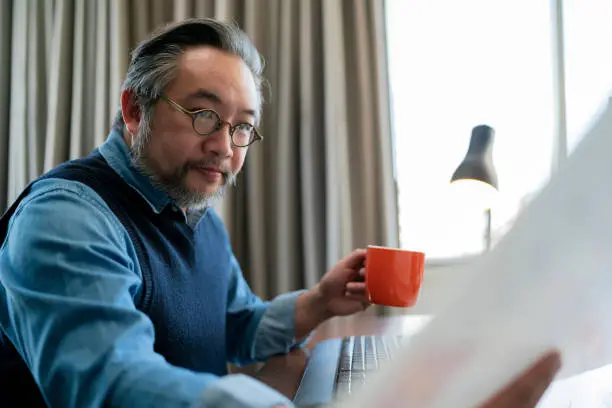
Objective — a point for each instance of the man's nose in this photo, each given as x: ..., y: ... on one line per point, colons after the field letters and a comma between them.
x: 220, y: 142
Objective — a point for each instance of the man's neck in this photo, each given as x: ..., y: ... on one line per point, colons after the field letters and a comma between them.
x: 127, y: 138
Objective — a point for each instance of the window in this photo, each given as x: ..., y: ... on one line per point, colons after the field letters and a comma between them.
x: 588, y: 61
x: 455, y: 65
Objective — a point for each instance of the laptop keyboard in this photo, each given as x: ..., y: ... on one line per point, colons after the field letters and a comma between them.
x: 361, y: 355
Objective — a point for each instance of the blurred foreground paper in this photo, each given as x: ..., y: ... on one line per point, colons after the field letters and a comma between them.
x: 547, y: 284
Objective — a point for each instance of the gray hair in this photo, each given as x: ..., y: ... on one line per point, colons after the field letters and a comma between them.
x: 153, y: 62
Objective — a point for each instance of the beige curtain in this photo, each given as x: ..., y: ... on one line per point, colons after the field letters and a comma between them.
x: 322, y: 182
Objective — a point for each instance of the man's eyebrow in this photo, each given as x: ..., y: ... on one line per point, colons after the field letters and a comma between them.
x: 204, y: 94
x: 213, y: 97
x: 250, y: 112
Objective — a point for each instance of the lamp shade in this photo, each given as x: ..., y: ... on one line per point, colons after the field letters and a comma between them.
x: 478, y: 162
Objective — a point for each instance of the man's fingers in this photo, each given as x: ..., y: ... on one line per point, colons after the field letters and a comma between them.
x: 528, y: 388
x: 356, y: 298
x: 536, y: 381
x: 356, y: 288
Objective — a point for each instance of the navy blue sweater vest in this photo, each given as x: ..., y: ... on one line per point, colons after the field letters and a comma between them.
x: 185, y: 273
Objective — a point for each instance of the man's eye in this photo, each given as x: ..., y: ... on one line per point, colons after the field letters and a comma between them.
x: 244, y: 127
x: 206, y: 114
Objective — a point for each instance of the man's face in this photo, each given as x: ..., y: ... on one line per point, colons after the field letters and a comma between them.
x: 192, y: 168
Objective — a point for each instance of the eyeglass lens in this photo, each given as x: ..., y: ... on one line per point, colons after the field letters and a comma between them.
x: 206, y: 122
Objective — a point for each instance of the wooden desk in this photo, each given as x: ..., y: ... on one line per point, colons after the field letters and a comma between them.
x: 284, y: 373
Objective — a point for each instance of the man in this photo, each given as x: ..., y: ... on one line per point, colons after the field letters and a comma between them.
x: 118, y: 283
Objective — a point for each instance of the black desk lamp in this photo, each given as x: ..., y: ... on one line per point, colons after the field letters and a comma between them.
x: 477, y: 169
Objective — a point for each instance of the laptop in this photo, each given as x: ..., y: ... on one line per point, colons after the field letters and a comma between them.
x: 340, y: 366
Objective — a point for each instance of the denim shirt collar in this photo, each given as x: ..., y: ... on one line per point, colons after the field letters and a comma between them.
x: 117, y: 154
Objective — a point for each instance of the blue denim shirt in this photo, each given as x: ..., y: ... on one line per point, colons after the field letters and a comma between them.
x: 44, y: 294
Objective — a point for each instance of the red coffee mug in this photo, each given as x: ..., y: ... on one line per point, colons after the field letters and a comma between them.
x: 393, y: 276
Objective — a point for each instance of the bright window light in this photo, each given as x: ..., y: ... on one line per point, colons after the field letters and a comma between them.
x: 588, y: 59
x: 455, y: 65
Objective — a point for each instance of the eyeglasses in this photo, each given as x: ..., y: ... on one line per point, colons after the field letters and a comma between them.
x: 207, y: 121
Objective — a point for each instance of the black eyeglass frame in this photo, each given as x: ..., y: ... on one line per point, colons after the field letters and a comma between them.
x: 255, y: 134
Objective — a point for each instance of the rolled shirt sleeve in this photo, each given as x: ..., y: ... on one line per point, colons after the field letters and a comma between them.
x: 276, y: 331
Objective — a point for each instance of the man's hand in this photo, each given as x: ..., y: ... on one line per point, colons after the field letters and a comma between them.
x: 528, y: 388
x: 340, y: 292
x: 342, y: 289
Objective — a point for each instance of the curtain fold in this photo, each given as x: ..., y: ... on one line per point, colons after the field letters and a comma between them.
x: 17, y: 106
x: 312, y: 163
x: 6, y: 16
x: 321, y: 183
x: 59, y: 87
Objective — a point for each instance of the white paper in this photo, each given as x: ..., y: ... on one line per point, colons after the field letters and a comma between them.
x: 547, y: 284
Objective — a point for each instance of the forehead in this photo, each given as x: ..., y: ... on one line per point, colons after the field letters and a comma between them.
x: 217, y: 71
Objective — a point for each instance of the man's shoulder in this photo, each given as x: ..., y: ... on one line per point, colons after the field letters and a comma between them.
x: 57, y: 192
x: 55, y: 212
x: 68, y: 200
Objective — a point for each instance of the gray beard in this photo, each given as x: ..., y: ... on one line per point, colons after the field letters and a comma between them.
x: 174, y: 184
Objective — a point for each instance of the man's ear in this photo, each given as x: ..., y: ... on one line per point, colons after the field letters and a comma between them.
x: 131, y: 111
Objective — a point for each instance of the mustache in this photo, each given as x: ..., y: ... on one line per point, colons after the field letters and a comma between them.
x: 224, y: 167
